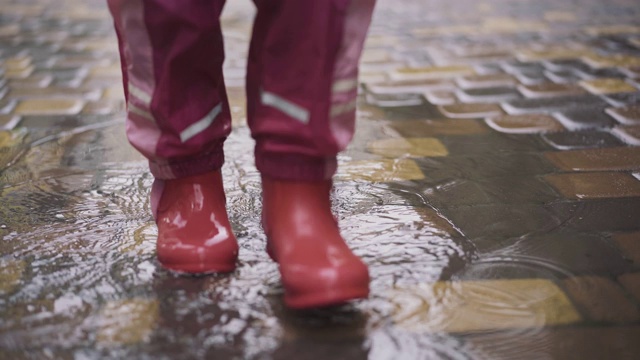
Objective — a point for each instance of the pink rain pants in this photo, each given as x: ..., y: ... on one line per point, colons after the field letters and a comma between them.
x: 301, y: 83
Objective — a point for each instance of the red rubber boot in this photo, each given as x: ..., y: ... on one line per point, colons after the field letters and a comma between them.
x: 194, y: 234
x: 316, y: 266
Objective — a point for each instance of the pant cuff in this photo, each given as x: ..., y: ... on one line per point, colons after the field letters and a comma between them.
x: 176, y: 168
x: 295, y: 167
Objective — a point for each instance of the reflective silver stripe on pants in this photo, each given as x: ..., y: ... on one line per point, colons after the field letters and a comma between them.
x: 140, y: 112
x: 344, y: 85
x: 339, y: 109
x: 295, y: 111
x: 200, y: 125
x: 139, y: 94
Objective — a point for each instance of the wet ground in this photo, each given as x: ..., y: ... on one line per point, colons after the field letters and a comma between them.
x: 493, y: 188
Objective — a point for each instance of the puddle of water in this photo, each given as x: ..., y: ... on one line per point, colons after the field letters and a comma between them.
x: 86, y: 236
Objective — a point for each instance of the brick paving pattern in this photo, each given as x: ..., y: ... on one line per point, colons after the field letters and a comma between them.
x: 493, y: 188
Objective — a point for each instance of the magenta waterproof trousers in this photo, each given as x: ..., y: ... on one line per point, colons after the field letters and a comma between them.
x: 301, y: 83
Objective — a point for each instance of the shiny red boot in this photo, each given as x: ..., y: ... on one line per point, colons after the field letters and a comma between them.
x: 316, y: 266
x: 194, y: 234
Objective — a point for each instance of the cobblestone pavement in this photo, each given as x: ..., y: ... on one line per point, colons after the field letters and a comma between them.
x: 493, y: 188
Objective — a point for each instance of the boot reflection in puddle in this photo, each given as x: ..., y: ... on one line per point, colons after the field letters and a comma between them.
x: 301, y: 101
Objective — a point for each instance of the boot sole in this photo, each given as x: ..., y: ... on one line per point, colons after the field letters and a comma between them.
x: 199, y: 269
x: 326, y: 298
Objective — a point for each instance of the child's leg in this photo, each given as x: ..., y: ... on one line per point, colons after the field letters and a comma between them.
x: 301, y: 90
x: 302, y: 83
x: 178, y: 117
x: 172, y: 53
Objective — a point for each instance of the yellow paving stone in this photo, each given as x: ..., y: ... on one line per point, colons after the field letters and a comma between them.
x: 127, y: 322
x: 446, y: 30
x: 425, y: 128
x: 113, y: 70
x: 19, y: 73
x: 16, y: 63
x: 9, y: 30
x: 115, y: 92
x: 629, y: 244
x: 53, y: 92
x: 481, y: 305
x: 620, y: 60
x: 615, y: 158
x: 470, y: 110
x: 631, y: 282
x: 607, y: 86
x: 560, y: 16
x: 612, y: 29
x: 551, y: 54
x: 26, y: 10
x: 32, y: 82
x: 432, y: 72
x: 384, y: 170
x: 595, y: 185
x: 49, y: 107
x: 408, y: 147
x: 375, y: 56
x: 10, y: 274
x: 510, y: 25
x: 524, y: 124
x: 602, y: 299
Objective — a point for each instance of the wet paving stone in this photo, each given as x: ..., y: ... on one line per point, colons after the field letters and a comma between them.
x: 426, y: 128
x: 622, y: 99
x: 484, y: 81
x: 471, y: 110
x: 524, y: 124
x: 441, y: 97
x: 549, y: 90
x: 408, y: 147
x: 394, y: 100
x: 380, y: 170
x: 8, y: 122
x: 607, y: 86
x: 470, y: 245
x: 552, y: 104
x: 629, y: 134
x: 581, y: 140
x: 580, y: 342
x: 489, y: 94
x: 595, y: 185
x: 629, y: 244
x: 127, y: 322
x: 461, y: 306
x: 615, y: 158
x: 628, y: 115
x: 10, y: 275
x: 631, y: 282
x: 49, y: 107
x: 443, y: 72
x: 584, y: 118
x: 602, y: 299
x: 598, y: 215
x: 409, y: 86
